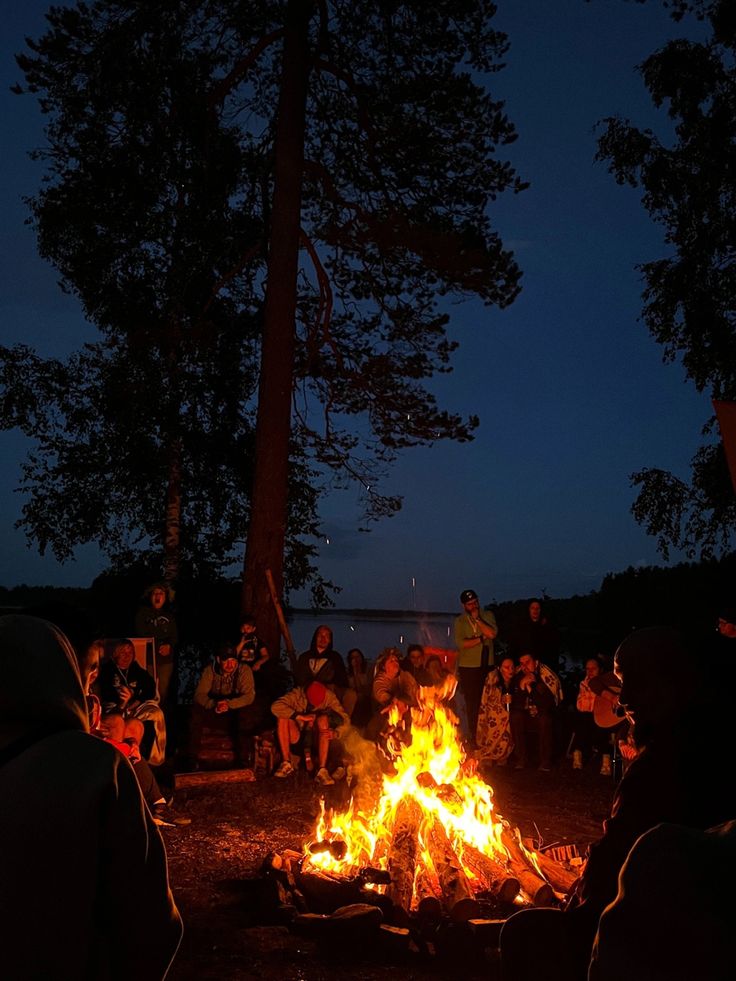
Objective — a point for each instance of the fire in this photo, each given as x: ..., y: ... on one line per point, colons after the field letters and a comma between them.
x: 431, y: 772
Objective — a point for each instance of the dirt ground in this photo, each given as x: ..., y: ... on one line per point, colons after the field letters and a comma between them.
x: 214, y: 868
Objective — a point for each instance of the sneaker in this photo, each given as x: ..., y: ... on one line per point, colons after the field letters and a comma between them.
x: 324, y: 777
x: 545, y: 769
x: 339, y: 773
x: 577, y: 759
x: 284, y: 770
x: 164, y: 816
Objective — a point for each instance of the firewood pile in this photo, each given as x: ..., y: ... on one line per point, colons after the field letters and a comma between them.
x: 460, y: 906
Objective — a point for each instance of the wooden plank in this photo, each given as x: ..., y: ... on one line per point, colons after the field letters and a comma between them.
x: 202, y: 778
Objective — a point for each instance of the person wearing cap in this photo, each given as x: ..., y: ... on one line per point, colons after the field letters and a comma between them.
x: 308, y: 713
x: 475, y: 632
x: 667, y: 703
x: 225, y: 698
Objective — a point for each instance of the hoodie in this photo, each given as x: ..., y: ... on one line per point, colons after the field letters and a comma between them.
x: 84, y: 892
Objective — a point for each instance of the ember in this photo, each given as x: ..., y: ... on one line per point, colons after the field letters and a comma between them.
x: 431, y: 825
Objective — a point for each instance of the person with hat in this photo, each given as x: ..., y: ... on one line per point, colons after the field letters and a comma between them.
x: 225, y: 699
x: 307, y: 714
x: 475, y: 632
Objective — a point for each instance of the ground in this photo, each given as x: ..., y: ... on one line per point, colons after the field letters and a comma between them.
x: 215, y: 861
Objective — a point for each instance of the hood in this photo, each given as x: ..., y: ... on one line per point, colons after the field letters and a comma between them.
x: 40, y: 686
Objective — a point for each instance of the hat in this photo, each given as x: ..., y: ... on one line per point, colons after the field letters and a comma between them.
x: 467, y: 595
x: 316, y: 693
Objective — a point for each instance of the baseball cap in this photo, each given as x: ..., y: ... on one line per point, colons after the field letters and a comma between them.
x: 467, y: 595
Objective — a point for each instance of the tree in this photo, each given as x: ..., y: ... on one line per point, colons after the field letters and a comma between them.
x: 690, y: 294
x: 350, y: 236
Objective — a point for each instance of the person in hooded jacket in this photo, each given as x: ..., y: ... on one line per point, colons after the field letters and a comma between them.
x: 84, y: 889
x: 156, y: 619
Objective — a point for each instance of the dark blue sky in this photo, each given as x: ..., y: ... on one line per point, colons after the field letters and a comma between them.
x: 571, y: 391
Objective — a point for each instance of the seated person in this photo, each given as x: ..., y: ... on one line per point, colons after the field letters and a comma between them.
x: 357, y: 699
x: 225, y: 698
x: 535, y: 694
x: 392, y: 689
x: 89, y: 666
x: 414, y: 663
x: 493, y: 735
x: 130, y: 709
x: 304, y: 714
x: 589, y: 736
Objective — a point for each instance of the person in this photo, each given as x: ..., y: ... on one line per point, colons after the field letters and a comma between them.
x: 358, y: 704
x: 475, y: 632
x: 322, y: 663
x: 393, y: 689
x: 588, y: 735
x: 493, y: 737
x: 675, y: 714
x: 250, y: 649
x: 130, y: 708
x: 536, y: 692
x: 84, y: 889
x: 303, y: 714
x: 225, y: 698
x: 415, y: 664
x: 727, y: 621
x: 538, y: 636
x: 673, y: 915
x: 155, y: 618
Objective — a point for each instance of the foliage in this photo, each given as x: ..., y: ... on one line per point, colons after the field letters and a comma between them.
x: 156, y: 210
x: 689, y: 188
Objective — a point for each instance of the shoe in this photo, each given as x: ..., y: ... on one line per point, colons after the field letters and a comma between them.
x: 323, y: 777
x: 284, y: 770
x: 545, y: 769
x: 165, y: 816
x: 520, y: 766
x: 606, y: 765
x: 339, y: 773
x: 577, y: 759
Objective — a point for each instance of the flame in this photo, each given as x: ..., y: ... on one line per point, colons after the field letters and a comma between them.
x: 429, y: 767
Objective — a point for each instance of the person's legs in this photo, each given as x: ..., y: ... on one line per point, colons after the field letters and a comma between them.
x: 518, y: 720
x: 471, y: 683
x: 545, y: 725
x: 244, y: 724
x: 148, y: 783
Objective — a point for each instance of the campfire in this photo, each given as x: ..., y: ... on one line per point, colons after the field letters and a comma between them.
x: 426, y: 835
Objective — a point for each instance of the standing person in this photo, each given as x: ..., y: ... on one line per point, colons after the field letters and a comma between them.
x: 156, y: 619
x: 84, y: 890
x: 667, y: 782
x: 322, y: 663
x: 475, y: 632
x: 493, y: 738
x: 538, y: 636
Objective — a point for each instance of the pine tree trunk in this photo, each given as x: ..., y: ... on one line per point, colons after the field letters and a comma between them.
x: 267, y: 528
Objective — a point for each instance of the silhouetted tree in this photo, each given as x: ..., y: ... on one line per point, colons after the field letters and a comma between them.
x: 689, y: 187
x: 360, y: 151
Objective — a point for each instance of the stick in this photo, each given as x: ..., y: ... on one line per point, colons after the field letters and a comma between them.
x: 286, y: 633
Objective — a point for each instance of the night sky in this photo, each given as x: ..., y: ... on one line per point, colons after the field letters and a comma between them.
x: 571, y: 391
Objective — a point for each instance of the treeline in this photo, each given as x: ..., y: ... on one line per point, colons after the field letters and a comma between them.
x: 688, y: 595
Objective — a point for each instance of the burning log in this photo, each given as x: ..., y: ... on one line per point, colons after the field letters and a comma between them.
x: 428, y: 895
x: 491, y: 874
x: 560, y: 878
x: 457, y: 894
x: 540, y: 892
x: 402, y: 853
x: 326, y: 891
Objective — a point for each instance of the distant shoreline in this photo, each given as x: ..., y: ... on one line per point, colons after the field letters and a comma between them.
x: 366, y: 614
